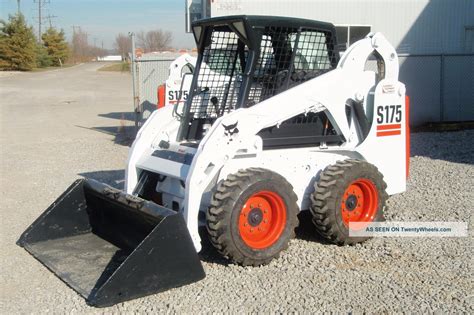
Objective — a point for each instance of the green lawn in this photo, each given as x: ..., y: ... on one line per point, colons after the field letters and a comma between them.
x: 122, y: 66
x: 52, y: 68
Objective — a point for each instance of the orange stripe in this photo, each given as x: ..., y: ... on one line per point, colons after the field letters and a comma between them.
x: 388, y: 133
x: 161, y: 96
x: 392, y: 126
x: 407, y: 135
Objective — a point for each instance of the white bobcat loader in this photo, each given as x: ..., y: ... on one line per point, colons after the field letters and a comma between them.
x: 275, y: 123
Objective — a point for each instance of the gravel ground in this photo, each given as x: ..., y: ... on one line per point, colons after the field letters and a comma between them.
x: 56, y: 127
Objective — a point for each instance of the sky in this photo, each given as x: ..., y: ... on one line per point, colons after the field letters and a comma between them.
x: 104, y: 19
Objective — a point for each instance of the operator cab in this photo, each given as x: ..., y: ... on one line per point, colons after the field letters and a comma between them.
x: 244, y: 60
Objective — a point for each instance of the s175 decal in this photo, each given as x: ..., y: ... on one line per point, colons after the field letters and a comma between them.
x: 177, y: 95
x: 389, y: 114
x: 389, y: 119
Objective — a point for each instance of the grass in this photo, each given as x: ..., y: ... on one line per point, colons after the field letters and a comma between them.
x: 122, y: 66
x: 51, y: 68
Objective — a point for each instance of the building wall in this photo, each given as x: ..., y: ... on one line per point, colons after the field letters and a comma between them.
x: 441, y: 87
x: 412, y: 26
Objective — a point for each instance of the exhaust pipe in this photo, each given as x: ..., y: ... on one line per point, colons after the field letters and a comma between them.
x: 112, y: 247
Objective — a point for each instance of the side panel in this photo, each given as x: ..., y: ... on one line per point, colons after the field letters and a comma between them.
x: 385, y: 146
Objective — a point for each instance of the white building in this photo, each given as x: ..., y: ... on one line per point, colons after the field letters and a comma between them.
x: 434, y: 39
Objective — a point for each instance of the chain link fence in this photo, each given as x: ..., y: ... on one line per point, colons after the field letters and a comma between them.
x: 441, y: 87
x: 150, y: 71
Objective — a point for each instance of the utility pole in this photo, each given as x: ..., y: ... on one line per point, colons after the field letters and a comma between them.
x: 41, y: 3
x: 39, y: 21
x: 136, y: 101
x: 18, y: 7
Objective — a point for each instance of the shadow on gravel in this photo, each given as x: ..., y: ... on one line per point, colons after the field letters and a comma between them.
x: 306, y: 230
x: 123, y: 135
x: 115, y: 178
x: 208, y: 253
x: 457, y: 147
x: 129, y: 116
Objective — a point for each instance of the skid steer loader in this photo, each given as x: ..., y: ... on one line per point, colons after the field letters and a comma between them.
x: 276, y: 121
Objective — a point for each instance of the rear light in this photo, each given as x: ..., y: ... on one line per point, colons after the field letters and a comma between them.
x: 161, y: 96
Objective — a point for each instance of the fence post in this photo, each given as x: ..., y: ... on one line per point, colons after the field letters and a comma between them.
x: 134, y: 80
x: 441, y: 89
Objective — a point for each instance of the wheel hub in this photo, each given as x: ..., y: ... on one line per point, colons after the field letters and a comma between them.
x: 359, y: 202
x: 255, y: 217
x: 351, y: 202
x: 262, y: 219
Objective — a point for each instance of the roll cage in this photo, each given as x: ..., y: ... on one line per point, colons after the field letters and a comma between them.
x: 244, y: 60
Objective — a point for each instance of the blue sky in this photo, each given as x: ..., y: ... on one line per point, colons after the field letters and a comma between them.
x: 103, y: 19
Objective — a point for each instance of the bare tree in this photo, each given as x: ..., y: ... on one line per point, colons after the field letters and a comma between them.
x: 123, y: 45
x: 81, y: 50
x: 80, y: 46
x: 154, y: 40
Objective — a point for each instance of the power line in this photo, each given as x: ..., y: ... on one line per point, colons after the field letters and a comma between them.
x: 50, y: 17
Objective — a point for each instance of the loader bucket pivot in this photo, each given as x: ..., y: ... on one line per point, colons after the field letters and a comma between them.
x: 111, y: 247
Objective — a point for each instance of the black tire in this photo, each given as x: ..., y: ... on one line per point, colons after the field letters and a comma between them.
x: 222, y: 218
x: 328, y: 197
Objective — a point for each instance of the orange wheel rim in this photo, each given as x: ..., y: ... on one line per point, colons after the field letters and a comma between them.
x: 262, y: 219
x: 359, y: 202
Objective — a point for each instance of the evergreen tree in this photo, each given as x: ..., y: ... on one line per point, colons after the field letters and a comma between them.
x: 56, y: 46
x: 17, y: 44
x: 43, y: 60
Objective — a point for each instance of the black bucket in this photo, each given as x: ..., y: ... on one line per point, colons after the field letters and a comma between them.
x: 111, y: 247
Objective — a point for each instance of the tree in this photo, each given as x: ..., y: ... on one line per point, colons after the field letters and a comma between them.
x: 56, y: 46
x: 123, y: 45
x: 17, y: 44
x: 43, y: 60
x: 154, y: 40
x: 80, y: 46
